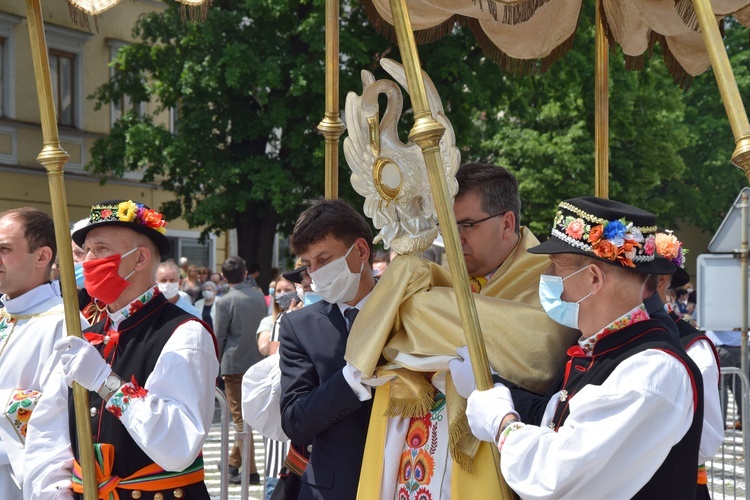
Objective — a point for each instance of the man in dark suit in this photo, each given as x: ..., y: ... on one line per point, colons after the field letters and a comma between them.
x: 238, y: 315
x: 323, y: 402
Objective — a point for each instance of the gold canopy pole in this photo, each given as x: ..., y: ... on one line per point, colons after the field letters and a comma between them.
x: 332, y: 127
x: 601, y: 91
x: 427, y: 134
x: 730, y: 94
x: 53, y: 158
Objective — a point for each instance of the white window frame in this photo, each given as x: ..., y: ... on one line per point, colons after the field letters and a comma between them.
x: 181, y: 233
x: 7, y: 23
x: 71, y: 41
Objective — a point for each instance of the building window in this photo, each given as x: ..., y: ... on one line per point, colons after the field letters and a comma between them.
x: 7, y: 64
x: 62, y: 72
x: 125, y: 103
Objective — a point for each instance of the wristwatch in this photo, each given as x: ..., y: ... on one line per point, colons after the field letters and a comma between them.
x: 110, y: 385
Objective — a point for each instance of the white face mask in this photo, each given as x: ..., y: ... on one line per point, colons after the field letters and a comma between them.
x: 550, y: 292
x: 335, y: 282
x: 208, y: 294
x: 169, y: 289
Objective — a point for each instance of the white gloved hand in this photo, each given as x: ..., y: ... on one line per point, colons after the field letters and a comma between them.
x: 82, y: 363
x: 462, y: 372
x: 486, y: 411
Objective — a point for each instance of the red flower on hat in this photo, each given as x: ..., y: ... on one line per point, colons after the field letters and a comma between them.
x: 106, y: 213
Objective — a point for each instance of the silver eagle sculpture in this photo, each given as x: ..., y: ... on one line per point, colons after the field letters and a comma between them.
x: 391, y: 175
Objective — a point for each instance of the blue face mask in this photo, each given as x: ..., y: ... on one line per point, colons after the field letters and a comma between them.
x: 550, y: 293
x: 78, y: 266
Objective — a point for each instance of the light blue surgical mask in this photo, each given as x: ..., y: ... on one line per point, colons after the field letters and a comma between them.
x: 550, y: 292
x: 78, y: 266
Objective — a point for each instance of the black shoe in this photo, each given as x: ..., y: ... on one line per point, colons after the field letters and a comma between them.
x: 232, y: 470
x: 254, y: 478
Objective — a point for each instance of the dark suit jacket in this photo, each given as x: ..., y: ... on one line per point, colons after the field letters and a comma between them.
x: 238, y: 314
x: 655, y: 309
x: 317, y: 405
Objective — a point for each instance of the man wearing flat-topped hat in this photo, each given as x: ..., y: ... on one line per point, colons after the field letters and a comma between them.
x: 625, y: 419
x: 150, y: 368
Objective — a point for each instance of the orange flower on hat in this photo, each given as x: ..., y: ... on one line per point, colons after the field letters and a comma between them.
x: 606, y: 250
x: 667, y: 245
x: 595, y: 235
x: 153, y: 219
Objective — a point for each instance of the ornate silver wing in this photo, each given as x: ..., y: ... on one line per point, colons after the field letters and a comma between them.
x: 389, y: 174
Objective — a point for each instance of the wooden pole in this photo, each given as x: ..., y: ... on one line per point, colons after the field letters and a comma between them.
x: 54, y: 158
x: 427, y: 133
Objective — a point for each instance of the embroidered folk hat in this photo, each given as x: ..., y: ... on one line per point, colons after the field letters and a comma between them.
x: 129, y: 214
x: 671, y: 249
x: 606, y: 230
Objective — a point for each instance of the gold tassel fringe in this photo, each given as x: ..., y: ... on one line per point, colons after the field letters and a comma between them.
x: 456, y: 432
x: 521, y: 11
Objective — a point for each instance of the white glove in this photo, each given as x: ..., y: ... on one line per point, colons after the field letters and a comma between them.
x: 487, y: 409
x: 82, y: 363
x: 462, y: 372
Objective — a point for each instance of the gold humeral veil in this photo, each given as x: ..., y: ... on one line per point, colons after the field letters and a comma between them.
x: 412, y: 316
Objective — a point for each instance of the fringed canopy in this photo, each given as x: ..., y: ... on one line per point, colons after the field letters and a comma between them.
x: 525, y: 36
x: 80, y: 10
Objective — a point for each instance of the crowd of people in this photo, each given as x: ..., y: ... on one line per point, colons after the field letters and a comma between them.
x: 354, y: 367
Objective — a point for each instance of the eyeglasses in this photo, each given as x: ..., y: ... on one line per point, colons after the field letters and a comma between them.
x: 467, y: 227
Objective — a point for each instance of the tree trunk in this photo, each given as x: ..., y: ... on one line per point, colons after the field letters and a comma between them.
x: 255, y: 236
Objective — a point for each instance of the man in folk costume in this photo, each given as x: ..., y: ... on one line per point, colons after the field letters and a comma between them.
x: 625, y: 420
x: 424, y: 448
x: 31, y: 321
x: 698, y: 346
x: 150, y: 367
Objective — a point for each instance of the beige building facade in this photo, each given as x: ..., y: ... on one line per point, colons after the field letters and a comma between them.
x: 79, y: 64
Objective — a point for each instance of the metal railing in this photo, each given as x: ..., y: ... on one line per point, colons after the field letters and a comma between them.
x: 224, y: 461
x: 727, y: 474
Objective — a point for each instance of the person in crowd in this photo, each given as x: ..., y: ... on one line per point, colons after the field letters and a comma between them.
x: 191, y: 284
x: 206, y: 306
x: 238, y: 314
x: 203, y: 274
x: 32, y: 319
x: 168, y: 281
x: 682, y: 301
x: 253, y: 273
x: 92, y: 309
x: 699, y: 347
x: 150, y: 367
x: 728, y: 345
x: 379, y: 265
x: 527, y: 345
x: 322, y: 403
x: 184, y: 264
x: 627, y: 374
x: 285, y: 300
x: 220, y: 282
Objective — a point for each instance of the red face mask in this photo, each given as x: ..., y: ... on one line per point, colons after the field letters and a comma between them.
x: 102, y: 280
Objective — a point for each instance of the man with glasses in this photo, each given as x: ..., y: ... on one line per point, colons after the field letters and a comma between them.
x: 425, y: 451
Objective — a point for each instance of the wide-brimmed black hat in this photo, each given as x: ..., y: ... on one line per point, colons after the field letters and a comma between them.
x: 606, y: 230
x: 129, y: 214
x: 294, y: 276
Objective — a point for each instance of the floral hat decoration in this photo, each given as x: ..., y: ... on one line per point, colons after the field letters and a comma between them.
x: 606, y: 230
x: 669, y: 247
x: 129, y: 214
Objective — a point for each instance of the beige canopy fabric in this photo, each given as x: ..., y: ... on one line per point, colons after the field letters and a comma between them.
x: 81, y: 9
x: 528, y: 35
